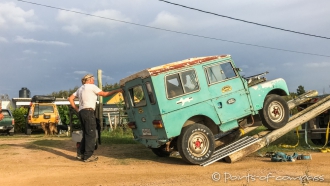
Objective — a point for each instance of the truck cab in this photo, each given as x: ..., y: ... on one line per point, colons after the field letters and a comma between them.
x: 189, y: 105
x: 7, y: 123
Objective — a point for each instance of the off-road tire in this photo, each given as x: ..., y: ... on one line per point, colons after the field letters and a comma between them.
x: 317, y: 141
x: 321, y: 141
x: 275, y: 113
x: 196, y: 144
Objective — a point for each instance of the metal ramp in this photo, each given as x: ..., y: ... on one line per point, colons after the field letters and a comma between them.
x: 230, y: 149
x: 236, y: 150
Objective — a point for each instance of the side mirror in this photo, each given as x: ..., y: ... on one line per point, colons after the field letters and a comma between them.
x: 238, y: 69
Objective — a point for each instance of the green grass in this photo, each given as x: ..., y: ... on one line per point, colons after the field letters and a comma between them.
x: 118, y: 136
x: 4, y: 146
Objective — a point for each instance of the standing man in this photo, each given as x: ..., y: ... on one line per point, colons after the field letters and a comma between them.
x: 87, y: 95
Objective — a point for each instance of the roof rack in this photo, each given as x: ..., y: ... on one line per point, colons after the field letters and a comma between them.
x: 43, y: 99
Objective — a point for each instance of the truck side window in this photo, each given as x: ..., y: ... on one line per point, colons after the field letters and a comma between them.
x: 181, y: 83
x: 137, y: 96
x: 189, y: 81
x: 220, y: 72
x: 173, y: 85
x: 150, y: 93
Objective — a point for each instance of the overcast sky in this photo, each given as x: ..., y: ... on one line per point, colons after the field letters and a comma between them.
x: 48, y: 50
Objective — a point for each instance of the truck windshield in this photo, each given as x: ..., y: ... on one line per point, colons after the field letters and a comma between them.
x: 220, y: 72
x: 5, y: 113
x: 43, y: 109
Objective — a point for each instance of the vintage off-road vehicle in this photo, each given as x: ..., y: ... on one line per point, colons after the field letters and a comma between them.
x: 7, y: 124
x: 189, y: 105
x: 42, y: 109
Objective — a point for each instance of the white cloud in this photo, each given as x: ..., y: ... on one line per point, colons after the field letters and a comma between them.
x: 107, y: 78
x: 77, y: 23
x: 288, y: 64
x: 20, y: 39
x: 317, y: 65
x: 167, y: 20
x: 14, y: 16
x: 29, y: 52
x: 3, y: 40
x: 81, y: 72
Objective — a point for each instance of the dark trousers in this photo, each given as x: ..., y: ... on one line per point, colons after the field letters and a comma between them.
x: 88, y: 125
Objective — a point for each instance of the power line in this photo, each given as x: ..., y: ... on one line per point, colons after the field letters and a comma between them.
x: 177, y: 32
x: 250, y: 22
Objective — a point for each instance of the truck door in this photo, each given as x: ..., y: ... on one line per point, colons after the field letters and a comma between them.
x: 143, y: 106
x: 227, y: 92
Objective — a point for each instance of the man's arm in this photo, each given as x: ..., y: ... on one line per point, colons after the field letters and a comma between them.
x: 73, y: 105
x: 1, y: 115
x: 106, y: 94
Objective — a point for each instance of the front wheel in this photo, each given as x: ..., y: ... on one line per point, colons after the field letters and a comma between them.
x: 275, y: 113
x: 196, y: 143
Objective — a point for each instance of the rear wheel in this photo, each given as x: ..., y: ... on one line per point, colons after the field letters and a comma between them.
x: 196, y: 143
x: 275, y: 113
x: 317, y: 141
x: 321, y: 141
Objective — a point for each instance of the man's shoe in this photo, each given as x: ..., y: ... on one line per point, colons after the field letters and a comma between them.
x: 91, y: 159
x: 80, y: 157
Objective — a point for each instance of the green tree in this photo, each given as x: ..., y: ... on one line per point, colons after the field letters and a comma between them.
x: 300, y: 90
x: 108, y: 87
x: 20, y: 118
x: 64, y: 93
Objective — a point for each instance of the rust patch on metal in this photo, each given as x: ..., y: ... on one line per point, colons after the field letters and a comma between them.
x: 178, y: 65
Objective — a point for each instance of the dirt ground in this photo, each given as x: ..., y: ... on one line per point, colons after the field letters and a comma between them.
x: 26, y: 160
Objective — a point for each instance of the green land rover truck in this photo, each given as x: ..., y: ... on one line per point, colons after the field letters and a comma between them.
x: 191, y: 105
x: 7, y: 124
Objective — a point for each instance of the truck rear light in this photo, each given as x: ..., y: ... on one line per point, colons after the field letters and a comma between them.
x: 29, y: 117
x: 13, y: 122
x: 131, y: 125
x: 157, y: 124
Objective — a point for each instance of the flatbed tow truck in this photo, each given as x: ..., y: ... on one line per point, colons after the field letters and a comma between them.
x: 249, y: 144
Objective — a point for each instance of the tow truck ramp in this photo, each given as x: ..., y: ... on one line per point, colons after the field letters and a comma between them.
x: 250, y: 144
x: 230, y: 149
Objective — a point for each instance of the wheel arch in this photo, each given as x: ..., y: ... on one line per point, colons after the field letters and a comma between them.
x: 278, y: 91
x: 205, y: 120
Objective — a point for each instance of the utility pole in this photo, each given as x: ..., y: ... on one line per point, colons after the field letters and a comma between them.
x: 99, y: 81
